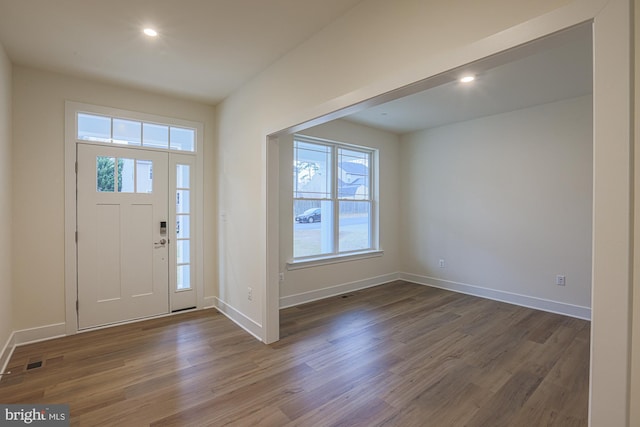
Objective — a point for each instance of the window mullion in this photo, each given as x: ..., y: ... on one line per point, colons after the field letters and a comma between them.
x: 336, y: 203
x: 373, y: 217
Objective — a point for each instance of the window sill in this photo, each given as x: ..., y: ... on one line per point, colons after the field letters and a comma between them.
x: 334, y: 259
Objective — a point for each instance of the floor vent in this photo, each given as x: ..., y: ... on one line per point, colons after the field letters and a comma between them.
x: 34, y: 365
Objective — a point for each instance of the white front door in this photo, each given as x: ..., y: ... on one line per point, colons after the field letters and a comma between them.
x: 123, y: 234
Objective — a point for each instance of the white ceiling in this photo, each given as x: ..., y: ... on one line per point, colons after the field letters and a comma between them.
x: 557, y: 67
x: 206, y: 48
x: 209, y: 48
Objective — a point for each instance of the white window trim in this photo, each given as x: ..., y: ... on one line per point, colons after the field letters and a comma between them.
x: 338, y: 257
x: 301, y: 263
x: 71, y: 111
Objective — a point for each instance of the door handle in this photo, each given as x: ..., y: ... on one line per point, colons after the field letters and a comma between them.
x: 161, y: 243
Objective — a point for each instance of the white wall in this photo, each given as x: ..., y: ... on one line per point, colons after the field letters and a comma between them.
x: 505, y: 200
x: 6, y: 308
x: 378, y: 47
x: 635, y: 361
x: 374, y: 42
x: 38, y: 197
x: 364, y: 272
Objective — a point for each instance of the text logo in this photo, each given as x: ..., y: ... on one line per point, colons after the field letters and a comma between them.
x: 34, y: 415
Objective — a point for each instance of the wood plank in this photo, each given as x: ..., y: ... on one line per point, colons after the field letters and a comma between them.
x: 398, y: 354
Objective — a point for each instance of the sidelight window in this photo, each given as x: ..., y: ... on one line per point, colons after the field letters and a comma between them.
x: 183, y: 229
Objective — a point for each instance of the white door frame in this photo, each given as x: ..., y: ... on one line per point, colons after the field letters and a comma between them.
x: 71, y: 266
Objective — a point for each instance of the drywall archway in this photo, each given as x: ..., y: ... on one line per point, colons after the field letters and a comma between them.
x: 613, y: 170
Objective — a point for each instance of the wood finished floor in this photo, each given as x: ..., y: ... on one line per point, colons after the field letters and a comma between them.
x: 395, y: 355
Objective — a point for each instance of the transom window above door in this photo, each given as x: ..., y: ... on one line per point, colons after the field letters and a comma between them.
x: 121, y: 131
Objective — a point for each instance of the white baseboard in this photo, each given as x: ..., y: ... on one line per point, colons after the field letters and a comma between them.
x: 29, y: 336
x: 305, y: 297
x: 209, y: 302
x: 6, y: 353
x: 238, y: 318
x: 41, y: 333
x: 571, y: 310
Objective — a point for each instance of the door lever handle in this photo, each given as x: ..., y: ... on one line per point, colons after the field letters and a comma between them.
x: 162, y: 242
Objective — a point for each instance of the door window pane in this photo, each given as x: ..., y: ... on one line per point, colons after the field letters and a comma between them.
x: 127, y: 132
x: 155, y: 136
x: 184, y: 277
x: 184, y: 255
x: 182, y: 201
x: 354, y: 226
x: 182, y: 176
x: 182, y: 139
x: 144, y: 176
x: 183, y: 226
x: 126, y: 175
x: 105, y: 174
x: 94, y: 128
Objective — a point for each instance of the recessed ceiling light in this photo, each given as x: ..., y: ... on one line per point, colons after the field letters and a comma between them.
x: 150, y: 32
x: 467, y: 79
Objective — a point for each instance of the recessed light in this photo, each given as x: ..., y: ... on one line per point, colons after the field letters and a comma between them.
x: 467, y: 79
x: 150, y: 32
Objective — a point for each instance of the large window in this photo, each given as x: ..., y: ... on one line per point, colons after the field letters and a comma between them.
x: 333, y: 199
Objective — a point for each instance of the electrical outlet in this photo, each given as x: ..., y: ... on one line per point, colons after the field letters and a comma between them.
x: 561, y: 280
x: 282, y: 277
x: 250, y: 294
x: 441, y: 263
